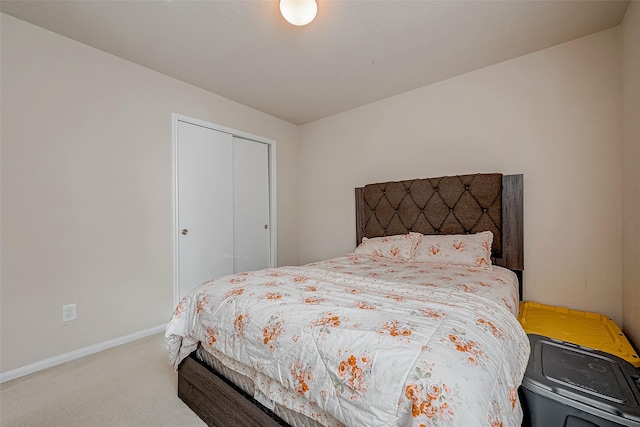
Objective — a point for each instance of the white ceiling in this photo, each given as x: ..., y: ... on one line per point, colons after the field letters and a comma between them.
x: 354, y: 52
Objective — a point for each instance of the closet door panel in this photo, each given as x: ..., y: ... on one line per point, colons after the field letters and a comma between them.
x: 252, y: 244
x: 205, y: 205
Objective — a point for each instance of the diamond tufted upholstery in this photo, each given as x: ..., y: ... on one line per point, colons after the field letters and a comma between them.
x: 460, y: 204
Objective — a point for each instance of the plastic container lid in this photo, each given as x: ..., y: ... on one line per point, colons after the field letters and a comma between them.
x: 583, y: 371
x: 583, y: 328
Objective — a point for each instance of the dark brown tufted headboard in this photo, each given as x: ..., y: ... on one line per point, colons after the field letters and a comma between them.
x: 448, y: 205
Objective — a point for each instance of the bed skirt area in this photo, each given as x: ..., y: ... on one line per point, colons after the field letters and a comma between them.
x: 223, y: 397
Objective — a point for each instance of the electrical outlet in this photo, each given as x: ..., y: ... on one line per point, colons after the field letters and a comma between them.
x: 68, y: 312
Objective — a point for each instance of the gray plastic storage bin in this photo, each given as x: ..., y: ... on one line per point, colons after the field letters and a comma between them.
x: 566, y: 385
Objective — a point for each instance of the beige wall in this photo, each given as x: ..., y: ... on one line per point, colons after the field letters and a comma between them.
x: 631, y: 171
x: 87, y: 191
x: 553, y: 115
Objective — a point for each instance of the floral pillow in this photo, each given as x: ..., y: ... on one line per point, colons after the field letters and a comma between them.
x: 461, y: 249
x: 399, y: 247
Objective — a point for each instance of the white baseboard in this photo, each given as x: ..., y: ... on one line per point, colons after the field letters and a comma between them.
x: 77, y: 354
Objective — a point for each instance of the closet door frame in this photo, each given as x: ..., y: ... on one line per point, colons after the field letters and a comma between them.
x: 271, y: 145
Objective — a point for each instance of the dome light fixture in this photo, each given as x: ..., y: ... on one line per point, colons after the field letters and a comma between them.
x: 298, y: 12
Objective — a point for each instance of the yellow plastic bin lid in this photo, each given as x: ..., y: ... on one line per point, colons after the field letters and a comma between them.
x: 583, y: 328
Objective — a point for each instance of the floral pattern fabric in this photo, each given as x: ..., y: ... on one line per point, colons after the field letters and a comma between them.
x: 362, y: 341
x: 463, y: 249
x: 400, y: 247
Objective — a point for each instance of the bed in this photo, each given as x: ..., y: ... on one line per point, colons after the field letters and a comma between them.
x: 417, y: 326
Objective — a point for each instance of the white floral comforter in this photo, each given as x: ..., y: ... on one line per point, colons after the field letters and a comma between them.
x: 367, y: 341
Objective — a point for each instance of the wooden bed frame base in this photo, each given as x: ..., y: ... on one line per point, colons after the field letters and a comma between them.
x: 231, y: 407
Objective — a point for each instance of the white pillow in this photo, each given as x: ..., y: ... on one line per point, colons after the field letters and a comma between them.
x: 461, y: 249
x: 399, y: 247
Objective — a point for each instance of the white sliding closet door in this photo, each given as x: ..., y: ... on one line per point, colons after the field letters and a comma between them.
x: 204, y: 205
x: 251, y: 234
x: 223, y: 199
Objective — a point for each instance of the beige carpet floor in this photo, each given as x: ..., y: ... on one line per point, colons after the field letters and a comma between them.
x: 129, y: 385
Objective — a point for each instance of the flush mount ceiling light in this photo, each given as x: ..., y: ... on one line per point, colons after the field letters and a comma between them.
x: 298, y: 12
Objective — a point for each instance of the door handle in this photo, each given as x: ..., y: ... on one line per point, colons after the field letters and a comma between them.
x: 185, y: 231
